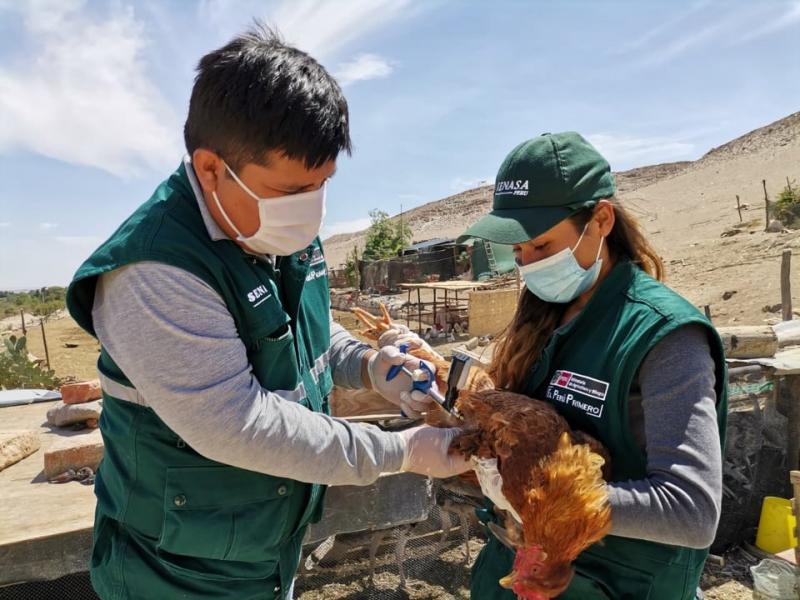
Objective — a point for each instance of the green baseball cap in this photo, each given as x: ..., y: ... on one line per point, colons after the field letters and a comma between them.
x: 540, y: 183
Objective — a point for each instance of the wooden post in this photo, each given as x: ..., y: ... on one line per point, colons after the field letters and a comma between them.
x: 786, y: 285
x: 739, y: 208
x: 22, y: 316
x: 44, y: 339
x: 793, y: 440
x: 794, y: 477
x: 766, y: 204
x: 434, y: 307
x: 707, y: 310
x: 419, y: 311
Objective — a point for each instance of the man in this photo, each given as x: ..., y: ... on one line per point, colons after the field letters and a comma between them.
x: 218, y: 352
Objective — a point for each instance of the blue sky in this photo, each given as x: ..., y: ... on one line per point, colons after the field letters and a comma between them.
x: 93, y: 96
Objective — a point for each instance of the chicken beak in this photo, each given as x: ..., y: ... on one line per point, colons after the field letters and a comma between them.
x: 508, y: 580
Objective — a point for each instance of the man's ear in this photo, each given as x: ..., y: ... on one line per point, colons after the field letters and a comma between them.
x: 208, y: 167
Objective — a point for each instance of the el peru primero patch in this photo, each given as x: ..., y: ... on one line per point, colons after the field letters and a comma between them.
x: 588, y: 386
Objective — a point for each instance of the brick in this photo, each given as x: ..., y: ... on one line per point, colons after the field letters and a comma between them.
x: 85, y: 450
x: 16, y: 445
x: 62, y: 414
x: 76, y: 393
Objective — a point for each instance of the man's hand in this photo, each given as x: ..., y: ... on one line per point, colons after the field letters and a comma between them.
x: 492, y: 483
x: 398, y: 391
x: 426, y: 452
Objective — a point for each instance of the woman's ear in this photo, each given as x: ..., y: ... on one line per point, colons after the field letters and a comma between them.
x: 605, y: 217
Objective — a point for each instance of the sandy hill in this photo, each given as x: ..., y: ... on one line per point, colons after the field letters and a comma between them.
x: 685, y: 208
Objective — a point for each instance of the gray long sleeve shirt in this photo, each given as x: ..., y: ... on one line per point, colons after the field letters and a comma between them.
x: 176, y: 341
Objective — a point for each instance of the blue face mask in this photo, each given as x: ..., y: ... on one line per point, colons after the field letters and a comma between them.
x: 559, y: 278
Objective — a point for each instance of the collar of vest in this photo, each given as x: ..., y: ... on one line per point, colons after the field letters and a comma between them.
x: 616, y: 282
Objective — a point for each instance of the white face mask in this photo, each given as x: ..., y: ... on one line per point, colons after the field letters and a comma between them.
x: 287, y: 224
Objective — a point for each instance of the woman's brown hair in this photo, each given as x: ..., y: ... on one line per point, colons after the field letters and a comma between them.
x: 522, y: 341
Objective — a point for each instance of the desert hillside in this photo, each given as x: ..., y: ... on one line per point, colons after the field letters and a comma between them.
x: 686, y: 208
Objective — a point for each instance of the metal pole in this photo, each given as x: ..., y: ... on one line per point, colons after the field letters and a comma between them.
x: 44, y: 339
x: 739, y: 208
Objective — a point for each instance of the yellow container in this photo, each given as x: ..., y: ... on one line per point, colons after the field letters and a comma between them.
x: 776, y: 527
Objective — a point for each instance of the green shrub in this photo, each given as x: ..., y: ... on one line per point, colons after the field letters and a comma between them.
x: 16, y: 371
x: 787, y: 207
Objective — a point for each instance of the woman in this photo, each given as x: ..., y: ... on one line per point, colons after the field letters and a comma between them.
x: 621, y: 357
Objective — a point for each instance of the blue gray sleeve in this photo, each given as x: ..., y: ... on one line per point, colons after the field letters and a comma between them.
x: 346, y: 355
x: 175, y: 340
x: 679, y: 502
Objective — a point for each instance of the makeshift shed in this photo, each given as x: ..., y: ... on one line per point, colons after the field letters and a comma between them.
x: 482, y: 255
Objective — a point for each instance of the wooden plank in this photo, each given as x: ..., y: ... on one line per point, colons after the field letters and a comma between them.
x: 351, y: 403
x: 794, y: 477
x: 749, y: 341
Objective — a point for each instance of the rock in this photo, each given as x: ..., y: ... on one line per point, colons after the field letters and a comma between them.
x: 74, y: 453
x: 775, y: 226
x: 67, y: 414
x: 77, y: 393
x: 730, y: 232
x: 728, y: 295
x: 772, y: 308
x: 16, y: 445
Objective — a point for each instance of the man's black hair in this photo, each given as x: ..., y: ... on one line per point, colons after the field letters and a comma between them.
x: 256, y: 95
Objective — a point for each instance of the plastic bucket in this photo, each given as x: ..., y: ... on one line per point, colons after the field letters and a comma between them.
x: 776, y: 527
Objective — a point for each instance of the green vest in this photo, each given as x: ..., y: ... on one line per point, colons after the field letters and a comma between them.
x: 586, y: 372
x: 169, y: 522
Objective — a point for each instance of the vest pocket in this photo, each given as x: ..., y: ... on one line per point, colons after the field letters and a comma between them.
x: 609, y: 579
x: 223, y: 513
x: 274, y: 360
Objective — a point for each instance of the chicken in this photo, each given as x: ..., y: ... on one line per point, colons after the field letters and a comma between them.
x: 552, y: 477
x: 477, y: 379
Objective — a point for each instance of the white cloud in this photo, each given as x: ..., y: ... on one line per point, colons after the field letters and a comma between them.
x: 321, y: 27
x: 362, y: 68
x: 787, y: 18
x: 624, y: 151
x: 47, y: 226
x: 4, y: 224
x: 647, y: 37
x: 330, y: 229
x: 82, y: 95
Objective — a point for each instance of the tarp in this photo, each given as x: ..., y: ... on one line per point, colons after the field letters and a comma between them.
x: 503, y: 255
x: 18, y: 397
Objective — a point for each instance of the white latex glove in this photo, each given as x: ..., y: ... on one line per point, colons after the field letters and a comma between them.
x: 426, y: 452
x: 400, y: 334
x: 492, y: 483
x: 398, y: 391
